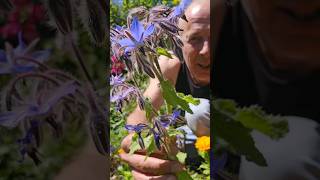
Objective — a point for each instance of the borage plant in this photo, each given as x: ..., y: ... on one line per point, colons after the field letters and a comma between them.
x: 39, y: 97
x: 148, y: 35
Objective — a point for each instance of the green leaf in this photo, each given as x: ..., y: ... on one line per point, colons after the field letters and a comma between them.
x: 238, y: 137
x: 148, y: 109
x: 181, y: 157
x: 171, y: 97
x: 174, y: 132
x: 150, y: 145
x: 134, y: 144
x: 254, y: 118
x: 164, y: 52
x: 183, y: 175
x: 189, y: 99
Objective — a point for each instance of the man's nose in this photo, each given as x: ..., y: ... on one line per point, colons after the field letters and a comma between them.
x: 205, y: 50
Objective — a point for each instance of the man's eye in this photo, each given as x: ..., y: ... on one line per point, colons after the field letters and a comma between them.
x: 195, y: 39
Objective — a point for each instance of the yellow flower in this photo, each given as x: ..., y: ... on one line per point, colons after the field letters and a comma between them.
x: 203, y: 143
x: 175, y: 2
x: 120, y: 151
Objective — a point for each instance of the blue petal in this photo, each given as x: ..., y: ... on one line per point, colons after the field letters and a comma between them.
x: 177, y: 11
x: 185, y: 3
x: 11, y: 119
x: 3, y: 56
x: 148, y: 32
x: 136, y: 29
x: 117, y: 27
x: 41, y: 56
x: 126, y: 43
x: 19, y: 50
x: 60, y: 92
x: 128, y: 49
x: 175, y: 114
x: 21, y: 69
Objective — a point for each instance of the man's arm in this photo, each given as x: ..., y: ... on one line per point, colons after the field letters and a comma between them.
x: 152, y: 167
x: 169, y: 69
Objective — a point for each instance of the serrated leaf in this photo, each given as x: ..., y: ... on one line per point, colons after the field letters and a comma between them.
x: 171, y: 97
x: 254, y: 118
x: 181, y: 157
x: 164, y: 52
x: 134, y: 144
x: 238, y: 137
x: 225, y: 105
x: 189, y: 99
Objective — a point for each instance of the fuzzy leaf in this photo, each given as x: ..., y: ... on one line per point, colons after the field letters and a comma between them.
x: 149, y: 144
x: 181, y: 157
x: 164, y: 52
x: 238, y: 137
x: 134, y: 144
x: 254, y: 118
x: 171, y: 97
x: 189, y: 99
x: 174, y: 132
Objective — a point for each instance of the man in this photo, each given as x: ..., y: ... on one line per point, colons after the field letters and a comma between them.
x: 191, y: 77
x: 267, y: 53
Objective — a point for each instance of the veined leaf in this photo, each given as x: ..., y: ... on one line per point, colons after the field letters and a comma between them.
x: 164, y: 52
x: 238, y: 137
x: 189, y: 99
x: 254, y: 118
x: 171, y: 97
x: 134, y: 144
x: 150, y: 144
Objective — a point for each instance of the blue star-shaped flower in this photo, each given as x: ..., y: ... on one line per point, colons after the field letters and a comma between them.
x: 136, y: 35
x: 9, y: 59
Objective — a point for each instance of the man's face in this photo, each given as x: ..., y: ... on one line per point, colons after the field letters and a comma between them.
x: 288, y: 32
x: 196, y: 39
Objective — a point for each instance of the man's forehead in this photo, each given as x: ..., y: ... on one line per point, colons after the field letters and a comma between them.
x: 198, y: 12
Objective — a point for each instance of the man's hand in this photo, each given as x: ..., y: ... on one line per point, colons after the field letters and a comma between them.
x: 154, y: 167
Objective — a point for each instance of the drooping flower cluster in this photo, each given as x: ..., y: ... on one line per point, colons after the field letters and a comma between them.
x: 136, y: 44
x: 158, y: 128
x: 39, y: 95
x: 148, y: 34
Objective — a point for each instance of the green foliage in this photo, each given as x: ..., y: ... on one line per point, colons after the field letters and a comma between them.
x: 189, y: 98
x: 54, y: 154
x: 118, y: 14
x: 150, y: 144
x: 134, y: 144
x: 181, y: 157
x: 171, y: 97
x: 164, y: 52
x: 148, y: 109
x: 233, y: 126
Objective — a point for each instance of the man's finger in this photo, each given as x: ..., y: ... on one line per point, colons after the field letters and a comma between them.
x: 126, y: 142
x: 151, y: 165
x: 140, y: 176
